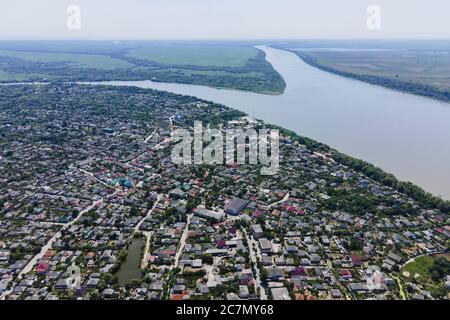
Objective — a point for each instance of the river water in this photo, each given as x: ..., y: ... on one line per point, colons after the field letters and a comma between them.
x: 404, y: 134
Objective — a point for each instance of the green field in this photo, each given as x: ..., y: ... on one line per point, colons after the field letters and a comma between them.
x: 408, y: 67
x: 225, y: 65
x: 198, y: 55
x: 6, y: 76
x: 11, y: 77
x: 426, y: 67
x: 74, y: 60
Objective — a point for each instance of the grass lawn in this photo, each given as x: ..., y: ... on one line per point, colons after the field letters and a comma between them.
x: 419, y: 271
x: 420, y: 266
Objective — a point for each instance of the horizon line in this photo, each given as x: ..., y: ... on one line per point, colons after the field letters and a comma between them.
x: 227, y: 39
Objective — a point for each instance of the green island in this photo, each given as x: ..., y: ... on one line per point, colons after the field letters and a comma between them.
x: 232, y: 65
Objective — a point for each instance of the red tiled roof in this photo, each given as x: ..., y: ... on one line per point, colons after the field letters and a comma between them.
x: 356, y: 259
x: 344, y: 272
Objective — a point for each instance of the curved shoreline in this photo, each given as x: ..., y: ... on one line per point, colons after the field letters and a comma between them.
x: 416, y: 89
x: 349, y: 116
x: 257, y: 75
x: 332, y: 119
x: 363, y: 167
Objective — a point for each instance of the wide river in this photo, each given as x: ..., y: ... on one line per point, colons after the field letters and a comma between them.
x: 404, y: 134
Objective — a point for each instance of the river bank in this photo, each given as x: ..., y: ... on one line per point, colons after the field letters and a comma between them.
x: 402, y: 86
x: 404, y: 134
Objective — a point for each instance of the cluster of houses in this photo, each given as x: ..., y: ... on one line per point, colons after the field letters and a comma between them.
x: 78, y: 192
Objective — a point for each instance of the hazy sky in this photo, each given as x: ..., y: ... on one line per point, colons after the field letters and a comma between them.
x: 223, y: 19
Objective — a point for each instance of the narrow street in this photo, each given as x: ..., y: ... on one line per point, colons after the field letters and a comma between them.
x: 148, y: 237
x: 147, y: 234
x: 285, y: 198
x: 149, y: 213
x: 150, y: 136
x: 253, y: 255
x: 182, y: 242
x: 95, y: 178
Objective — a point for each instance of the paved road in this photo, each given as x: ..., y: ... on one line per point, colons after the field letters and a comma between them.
x: 94, y: 177
x: 149, y: 213
x: 431, y: 253
x: 285, y: 198
x: 253, y: 256
x: 150, y: 136
x: 128, y: 163
x: 148, y: 235
x: 182, y: 242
